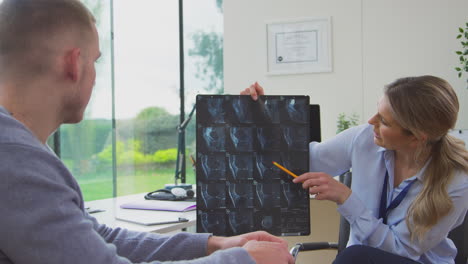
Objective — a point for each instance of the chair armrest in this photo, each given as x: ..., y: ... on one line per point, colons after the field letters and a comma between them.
x: 311, y: 246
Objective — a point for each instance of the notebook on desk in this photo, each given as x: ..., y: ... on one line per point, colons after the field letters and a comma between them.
x: 148, y: 218
x: 178, y: 206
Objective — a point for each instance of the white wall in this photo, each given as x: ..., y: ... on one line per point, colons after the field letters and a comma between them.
x: 373, y: 43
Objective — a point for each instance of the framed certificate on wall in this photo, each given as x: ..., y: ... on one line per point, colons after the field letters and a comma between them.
x: 299, y: 46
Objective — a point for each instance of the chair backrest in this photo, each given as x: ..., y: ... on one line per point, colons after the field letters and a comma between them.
x: 314, y: 119
x: 458, y: 235
x: 343, y: 236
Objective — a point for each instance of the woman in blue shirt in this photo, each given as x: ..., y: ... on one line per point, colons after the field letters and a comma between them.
x: 410, y: 177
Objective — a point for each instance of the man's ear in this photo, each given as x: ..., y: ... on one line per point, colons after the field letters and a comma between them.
x: 72, y: 62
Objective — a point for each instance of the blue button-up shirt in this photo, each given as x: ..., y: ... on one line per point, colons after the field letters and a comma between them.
x: 355, y: 148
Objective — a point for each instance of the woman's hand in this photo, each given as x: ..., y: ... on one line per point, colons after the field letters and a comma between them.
x: 324, y: 186
x: 254, y: 91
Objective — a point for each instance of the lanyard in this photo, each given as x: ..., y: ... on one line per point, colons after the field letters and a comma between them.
x: 384, y: 210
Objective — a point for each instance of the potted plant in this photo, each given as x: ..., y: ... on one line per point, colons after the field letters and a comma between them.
x: 463, y: 53
x: 345, y: 122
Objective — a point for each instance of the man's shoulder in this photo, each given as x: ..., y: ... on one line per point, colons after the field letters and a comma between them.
x: 26, y: 162
x: 13, y: 132
x: 22, y: 154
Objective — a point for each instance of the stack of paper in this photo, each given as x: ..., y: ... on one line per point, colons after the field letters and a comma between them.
x: 160, y: 205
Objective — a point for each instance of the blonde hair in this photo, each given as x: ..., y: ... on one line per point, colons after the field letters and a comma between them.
x: 28, y: 31
x: 428, y: 105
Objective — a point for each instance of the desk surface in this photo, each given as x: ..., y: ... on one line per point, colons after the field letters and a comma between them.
x: 112, y: 209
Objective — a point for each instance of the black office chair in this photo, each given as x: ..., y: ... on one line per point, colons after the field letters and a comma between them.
x: 458, y: 235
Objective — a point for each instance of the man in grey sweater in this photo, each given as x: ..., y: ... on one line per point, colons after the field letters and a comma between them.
x: 47, y: 53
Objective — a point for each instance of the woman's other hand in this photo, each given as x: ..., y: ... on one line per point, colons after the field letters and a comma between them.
x: 254, y: 91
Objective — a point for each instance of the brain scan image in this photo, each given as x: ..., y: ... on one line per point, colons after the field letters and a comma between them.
x: 295, y: 138
x: 270, y: 111
x: 297, y: 111
x: 269, y: 138
x: 239, y: 189
x: 214, y: 223
x: 242, y: 111
x: 240, y: 222
x: 214, y: 138
x: 213, y: 196
x: 242, y: 138
x: 216, y: 110
x: 241, y: 166
x: 265, y: 168
x: 212, y: 166
x: 241, y: 195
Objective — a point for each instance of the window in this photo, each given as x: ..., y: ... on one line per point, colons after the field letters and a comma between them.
x: 127, y: 142
x: 203, y: 38
x: 84, y: 146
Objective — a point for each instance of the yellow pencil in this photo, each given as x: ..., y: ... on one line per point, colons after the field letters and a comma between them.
x: 284, y: 169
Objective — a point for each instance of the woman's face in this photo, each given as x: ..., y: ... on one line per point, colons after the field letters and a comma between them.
x: 387, y: 132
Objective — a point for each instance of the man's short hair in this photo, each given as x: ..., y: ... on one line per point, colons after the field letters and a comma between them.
x: 28, y: 27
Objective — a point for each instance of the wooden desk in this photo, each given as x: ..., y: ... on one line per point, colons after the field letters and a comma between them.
x: 112, y: 209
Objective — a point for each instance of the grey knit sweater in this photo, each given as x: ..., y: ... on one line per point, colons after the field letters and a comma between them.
x: 42, y: 216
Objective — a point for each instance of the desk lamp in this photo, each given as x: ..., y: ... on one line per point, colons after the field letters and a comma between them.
x: 180, y: 162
